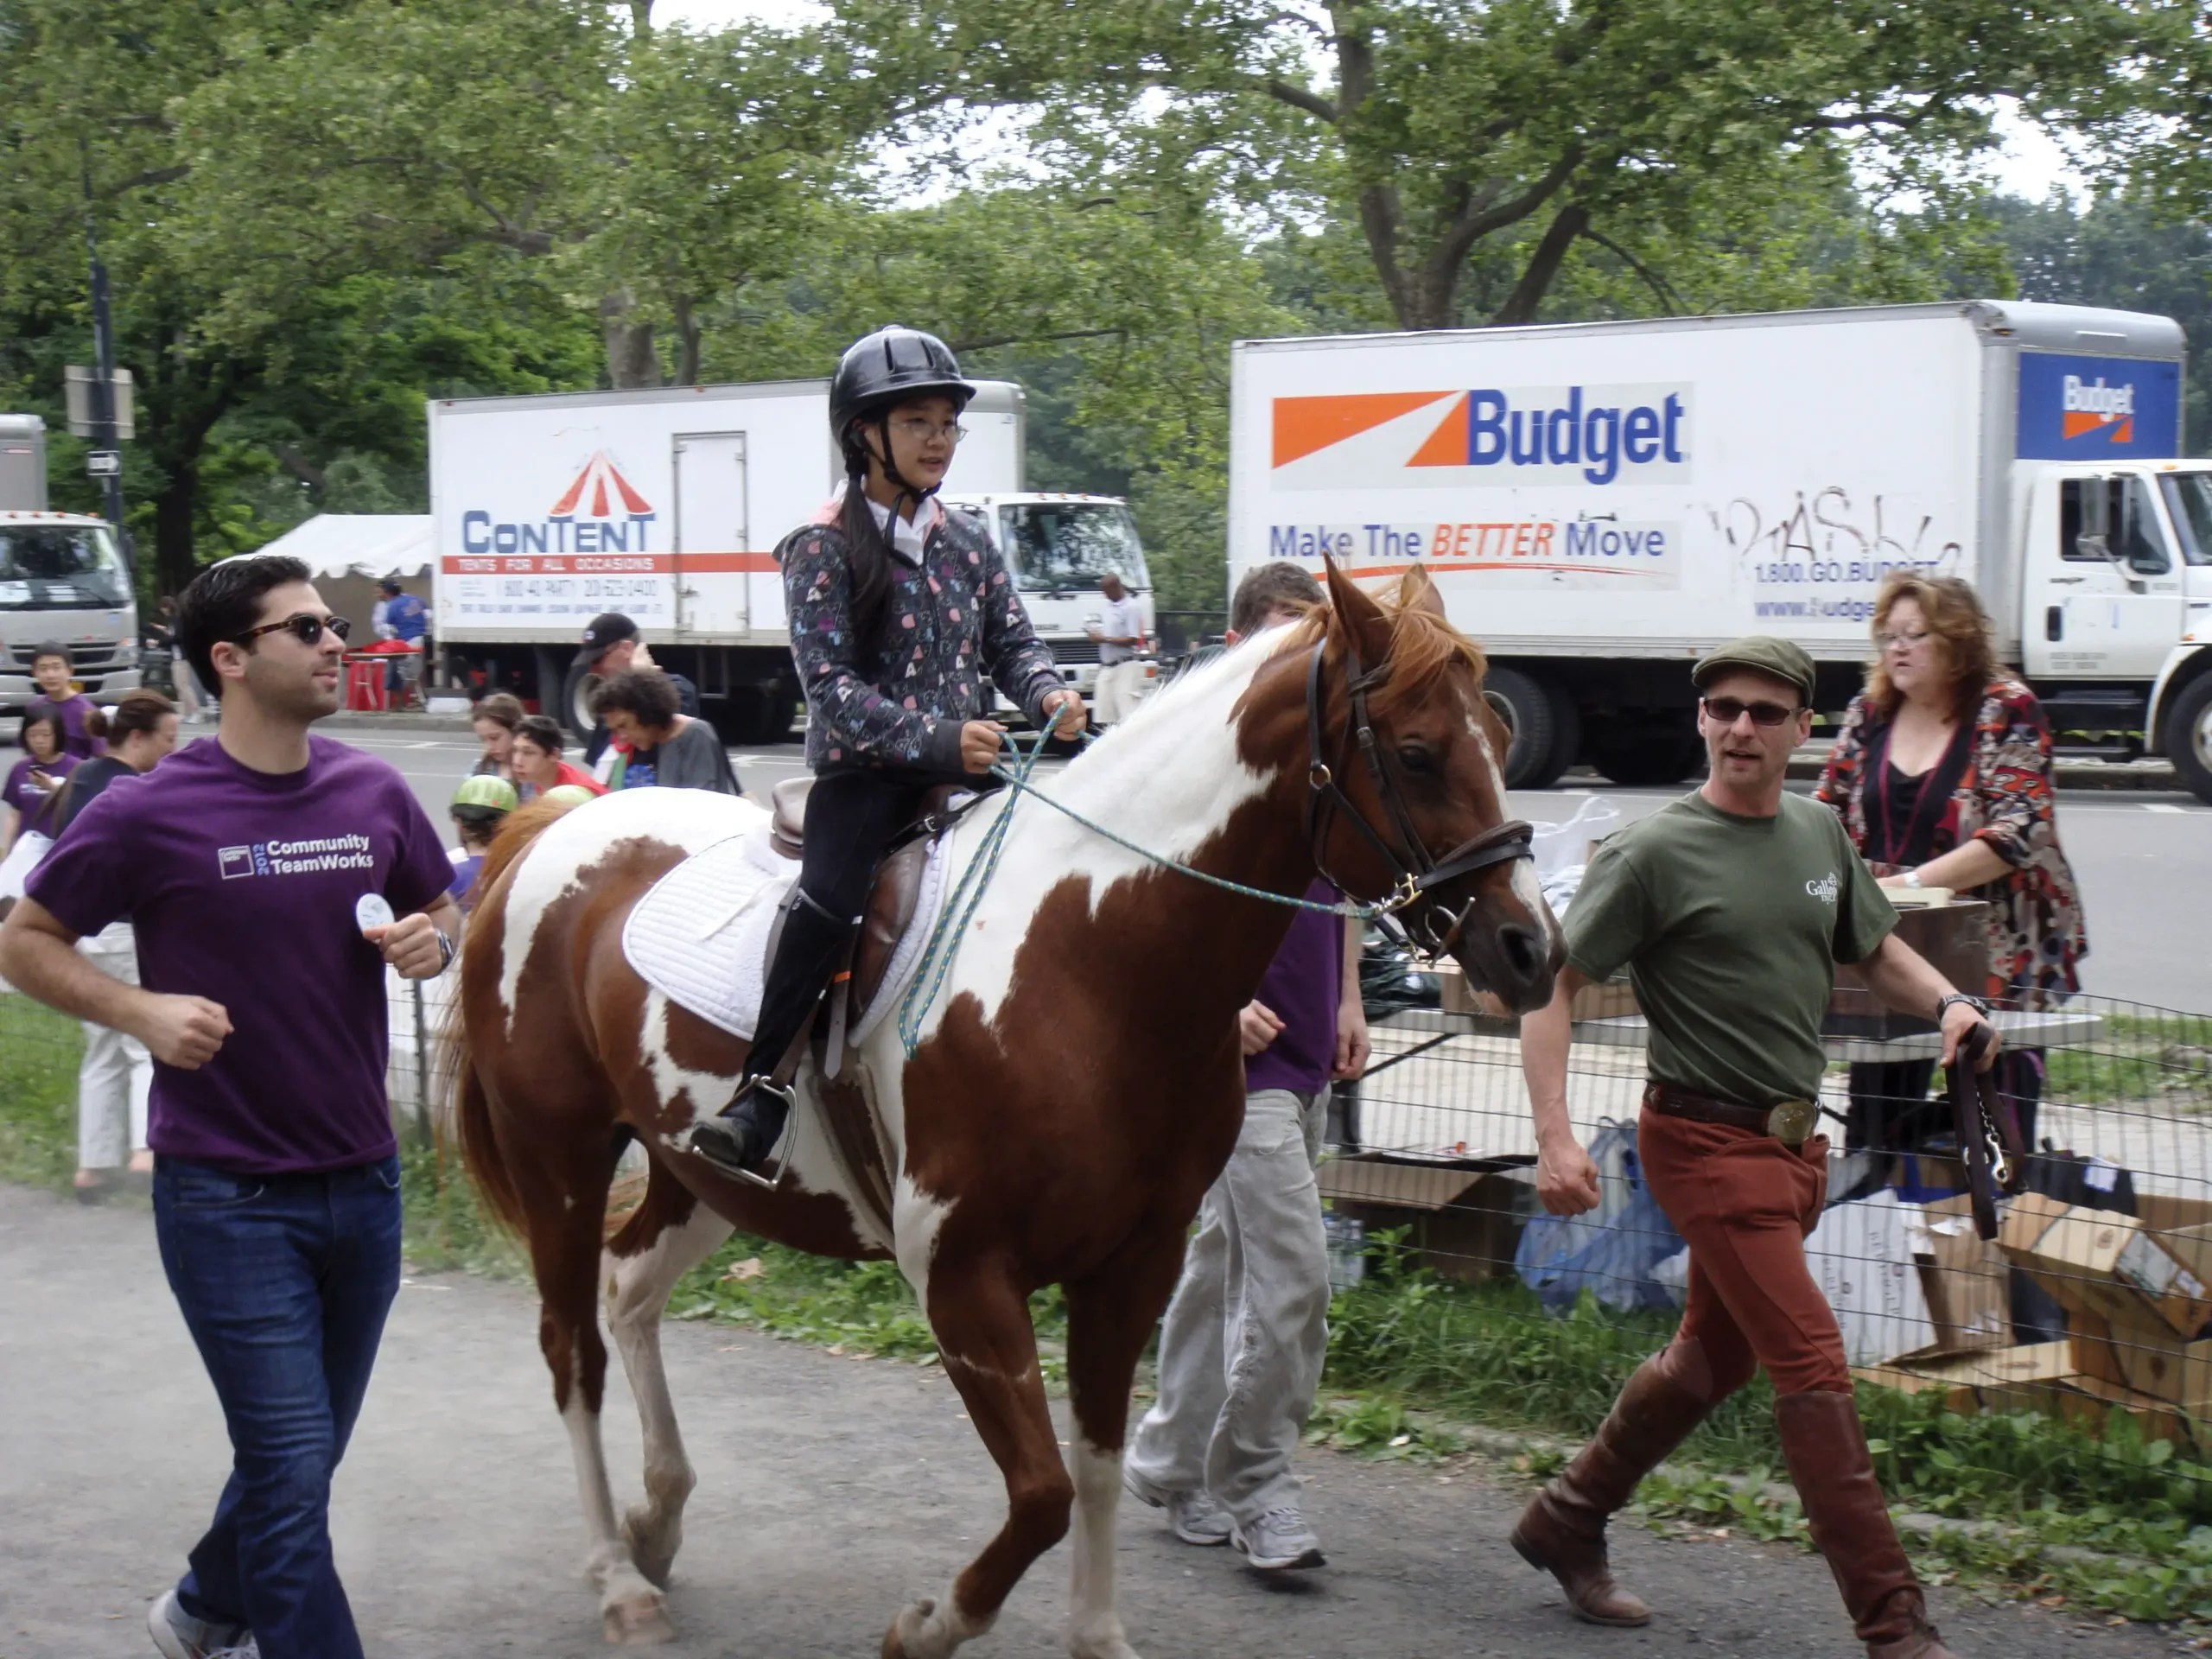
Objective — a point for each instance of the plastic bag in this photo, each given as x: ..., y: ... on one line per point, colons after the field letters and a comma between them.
x: 1560, y: 846
x: 1611, y: 1250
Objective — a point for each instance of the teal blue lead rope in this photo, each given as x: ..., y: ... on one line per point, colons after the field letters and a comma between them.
x: 959, y: 908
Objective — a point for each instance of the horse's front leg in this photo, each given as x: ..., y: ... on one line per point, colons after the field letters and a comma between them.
x: 989, y: 1348
x: 1111, y: 1315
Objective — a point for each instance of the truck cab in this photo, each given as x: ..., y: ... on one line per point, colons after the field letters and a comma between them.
x: 1057, y: 547
x: 63, y: 578
x: 2120, y: 598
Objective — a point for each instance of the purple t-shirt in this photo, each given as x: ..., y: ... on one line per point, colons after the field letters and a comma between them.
x: 1302, y: 987
x: 37, y: 804
x: 71, y: 711
x: 241, y: 885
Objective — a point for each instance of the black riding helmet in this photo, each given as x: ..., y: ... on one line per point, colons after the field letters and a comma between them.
x: 892, y: 367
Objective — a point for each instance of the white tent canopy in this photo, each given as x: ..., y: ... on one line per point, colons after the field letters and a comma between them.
x: 373, y: 544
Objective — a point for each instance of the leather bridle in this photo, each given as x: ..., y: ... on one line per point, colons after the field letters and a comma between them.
x: 1414, y: 874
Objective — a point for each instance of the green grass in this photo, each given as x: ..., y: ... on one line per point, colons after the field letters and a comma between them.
x: 2163, y: 1058
x: 39, y: 1051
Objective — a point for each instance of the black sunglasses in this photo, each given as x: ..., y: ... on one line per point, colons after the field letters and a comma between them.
x: 1729, y: 710
x: 302, y: 626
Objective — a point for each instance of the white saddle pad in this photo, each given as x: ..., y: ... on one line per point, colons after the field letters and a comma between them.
x: 699, y: 937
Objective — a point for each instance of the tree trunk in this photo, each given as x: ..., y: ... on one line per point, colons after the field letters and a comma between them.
x: 1543, y: 266
x: 175, y: 509
x: 687, y: 343
x: 631, y: 359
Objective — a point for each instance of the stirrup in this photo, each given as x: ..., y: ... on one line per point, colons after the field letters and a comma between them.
x: 783, y: 1092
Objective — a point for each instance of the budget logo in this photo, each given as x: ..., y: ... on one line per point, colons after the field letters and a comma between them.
x: 1509, y: 435
x: 2086, y: 408
x: 2093, y: 407
x: 601, y: 511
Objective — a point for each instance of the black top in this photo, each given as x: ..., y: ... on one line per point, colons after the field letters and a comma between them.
x: 87, y: 781
x: 1903, y: 841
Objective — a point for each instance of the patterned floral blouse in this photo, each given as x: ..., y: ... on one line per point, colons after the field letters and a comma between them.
x: 2037, y: 940
x: 900, y: 697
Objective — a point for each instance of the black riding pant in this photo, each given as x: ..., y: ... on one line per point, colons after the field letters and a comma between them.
x: 851, y: 817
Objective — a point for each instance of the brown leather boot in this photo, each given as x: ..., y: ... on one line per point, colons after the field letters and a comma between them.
x: 1562, y: 1532
x: 1825, y: 1446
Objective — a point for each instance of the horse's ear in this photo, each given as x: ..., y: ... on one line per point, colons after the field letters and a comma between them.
x: 1365, y: 622
x: 1416, y: 592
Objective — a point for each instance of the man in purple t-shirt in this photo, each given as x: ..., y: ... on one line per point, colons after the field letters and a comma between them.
x: 50, y: 669
x: 1241, y: 1347
x: 272, y: 876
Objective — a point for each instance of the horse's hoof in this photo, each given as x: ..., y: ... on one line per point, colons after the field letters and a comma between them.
x: 637, y: 1622
x: 653, y: 1556
x: 901, y: 1641
x: 1105, y: 1644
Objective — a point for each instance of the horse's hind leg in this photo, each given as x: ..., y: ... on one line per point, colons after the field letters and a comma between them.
x: 564, y: 1249
x: 1111, y: 1314
x: 670, y: 1233
x: 989, y: 1347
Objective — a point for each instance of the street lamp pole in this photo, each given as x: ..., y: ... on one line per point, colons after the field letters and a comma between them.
x: 104, y: 433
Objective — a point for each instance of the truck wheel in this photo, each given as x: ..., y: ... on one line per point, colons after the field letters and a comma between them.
x: 1528, y: 714
x: 751, y: 716
x: 2189, y: 736
x: 574, y: 711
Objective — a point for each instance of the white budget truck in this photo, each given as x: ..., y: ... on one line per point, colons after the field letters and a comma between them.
x: 666, y: 505
x: 62, y: 579
x: 1601, y: 502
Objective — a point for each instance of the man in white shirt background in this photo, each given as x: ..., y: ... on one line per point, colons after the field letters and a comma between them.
x: 1119, y: 634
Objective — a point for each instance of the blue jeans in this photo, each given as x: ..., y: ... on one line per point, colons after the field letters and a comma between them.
x: 284, y: 1281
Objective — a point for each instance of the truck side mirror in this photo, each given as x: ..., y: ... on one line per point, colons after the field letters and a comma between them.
x: 2095, y: 537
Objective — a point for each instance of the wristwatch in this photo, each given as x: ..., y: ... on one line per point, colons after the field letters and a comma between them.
x: 447, y: 952
x: 1974, y: 1002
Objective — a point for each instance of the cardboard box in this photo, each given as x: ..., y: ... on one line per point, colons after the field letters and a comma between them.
x: 2114, y: 1266
x: 1954, y: 939
x: 1466, y: 1218
x: 2145, y: 1359
x: 1966, y: 1280
x: 2031, y: 1378
x: 1862, y: 1258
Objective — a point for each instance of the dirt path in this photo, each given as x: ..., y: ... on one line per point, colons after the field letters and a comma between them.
x: 830, y: 1492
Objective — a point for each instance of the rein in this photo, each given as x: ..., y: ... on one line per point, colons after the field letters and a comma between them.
x: 1415, y: 873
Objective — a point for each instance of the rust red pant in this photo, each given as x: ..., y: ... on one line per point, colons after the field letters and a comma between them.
x: 1744, y: 1203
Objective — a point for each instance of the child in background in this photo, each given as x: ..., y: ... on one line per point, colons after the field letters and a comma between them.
x: 59, y: 697
x: 479, y: 807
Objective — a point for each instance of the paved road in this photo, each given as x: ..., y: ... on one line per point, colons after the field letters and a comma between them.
x: 2144, y: 861
x: 830, y: 1492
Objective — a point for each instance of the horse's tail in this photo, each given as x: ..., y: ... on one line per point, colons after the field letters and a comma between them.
x: 474, y: 1123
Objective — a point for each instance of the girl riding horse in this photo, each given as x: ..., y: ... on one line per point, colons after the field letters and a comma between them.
x: 898, y: 610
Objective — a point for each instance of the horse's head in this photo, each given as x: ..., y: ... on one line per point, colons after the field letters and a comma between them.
x: 1405, y: 792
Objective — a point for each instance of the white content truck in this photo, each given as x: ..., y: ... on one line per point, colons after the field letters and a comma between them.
x: 62, y: 581
x: 666, y: 505
x: 1601, y: 502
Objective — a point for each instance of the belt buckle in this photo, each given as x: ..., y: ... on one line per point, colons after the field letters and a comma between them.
x: 1792, y: 1121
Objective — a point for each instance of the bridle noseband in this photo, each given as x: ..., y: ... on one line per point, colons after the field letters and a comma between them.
x: 1415, y: 876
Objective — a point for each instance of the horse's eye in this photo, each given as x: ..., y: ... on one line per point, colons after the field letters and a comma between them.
x: 1414, y: 758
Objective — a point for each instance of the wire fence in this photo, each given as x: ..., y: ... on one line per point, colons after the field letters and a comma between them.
x: 2091, y: 1312
x: 2091, y: 1306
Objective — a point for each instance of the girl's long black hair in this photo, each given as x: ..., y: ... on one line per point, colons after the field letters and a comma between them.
x: 868, y: 551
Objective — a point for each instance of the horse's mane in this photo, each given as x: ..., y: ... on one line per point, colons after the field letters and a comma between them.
x: 1424, y: 645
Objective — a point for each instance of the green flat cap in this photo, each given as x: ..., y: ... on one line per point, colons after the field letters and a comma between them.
x: 1763, y: 653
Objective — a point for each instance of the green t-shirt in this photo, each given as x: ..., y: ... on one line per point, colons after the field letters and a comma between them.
x: 1730, y: 929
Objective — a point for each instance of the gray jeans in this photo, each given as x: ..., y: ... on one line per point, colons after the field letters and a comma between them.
x: 1241, y: 1347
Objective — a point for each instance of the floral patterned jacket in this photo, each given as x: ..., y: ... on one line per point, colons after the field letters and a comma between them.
x: 2036, y: 939
x: 898, y: 698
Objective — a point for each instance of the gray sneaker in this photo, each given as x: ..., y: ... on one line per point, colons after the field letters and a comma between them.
x: 179, y: 1636
x: 1193, y: 1515
x: 1280, y: 1541
x: 1197, y: 1519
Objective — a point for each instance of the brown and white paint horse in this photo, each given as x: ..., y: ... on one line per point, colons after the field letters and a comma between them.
x: 1076, y: 1088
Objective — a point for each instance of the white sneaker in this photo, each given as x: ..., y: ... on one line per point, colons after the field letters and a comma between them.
x: 179, y: 1636
x: 1197, y: 1519
x: 1280, y: 1541
x: 1193, y: 1515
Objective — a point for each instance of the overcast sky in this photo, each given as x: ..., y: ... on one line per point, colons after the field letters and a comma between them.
x: 2031, y: 163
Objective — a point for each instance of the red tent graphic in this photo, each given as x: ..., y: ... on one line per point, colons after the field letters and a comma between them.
x: 592, y: 487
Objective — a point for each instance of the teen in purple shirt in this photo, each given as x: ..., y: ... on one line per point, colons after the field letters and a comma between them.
x: 243, y: 863
x: 1241, y: 1346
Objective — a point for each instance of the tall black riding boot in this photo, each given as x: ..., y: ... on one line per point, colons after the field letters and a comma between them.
x: 813, y: 944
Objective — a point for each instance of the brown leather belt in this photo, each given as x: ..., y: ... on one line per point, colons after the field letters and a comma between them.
x: 1789, y: 1122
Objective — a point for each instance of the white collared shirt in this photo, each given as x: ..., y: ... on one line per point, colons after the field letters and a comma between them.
x: 908, y: 535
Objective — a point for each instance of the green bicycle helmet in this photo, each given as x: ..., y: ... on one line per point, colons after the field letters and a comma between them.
x: 567, y: 794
